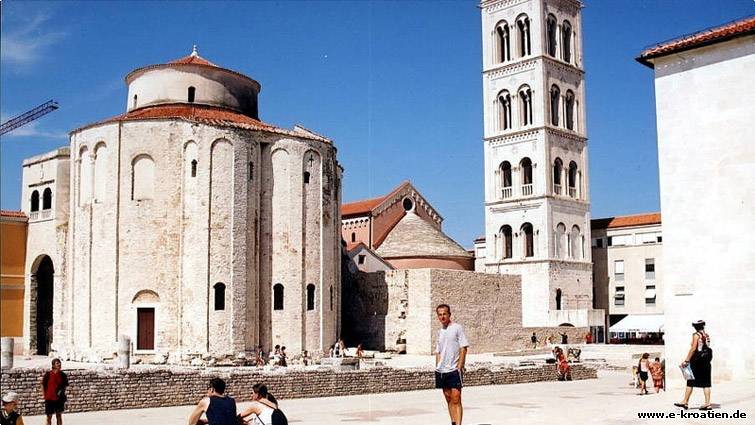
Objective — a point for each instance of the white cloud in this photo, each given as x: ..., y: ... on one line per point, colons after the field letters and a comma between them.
x: 26, y: 44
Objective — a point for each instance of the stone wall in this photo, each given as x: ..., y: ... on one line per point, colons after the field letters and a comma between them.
x: 92, y: 390
x: 382, y: 307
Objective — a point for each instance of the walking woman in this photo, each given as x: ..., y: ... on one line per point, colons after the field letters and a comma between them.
x: 699, y: 356
x: 642, y: 369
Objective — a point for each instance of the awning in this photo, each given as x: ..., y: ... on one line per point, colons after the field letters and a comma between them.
x: 639, y: 323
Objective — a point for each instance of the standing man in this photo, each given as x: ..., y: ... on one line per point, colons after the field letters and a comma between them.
x: 54, y: 385
x: 450, y: 355
x: 534, y: 341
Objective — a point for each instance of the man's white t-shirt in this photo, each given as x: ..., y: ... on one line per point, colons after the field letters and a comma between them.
x: 450, y: 340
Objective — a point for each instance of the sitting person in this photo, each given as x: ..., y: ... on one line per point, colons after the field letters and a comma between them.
x: 219, y: 408
x: 9, y: 415
x: 264, y: 408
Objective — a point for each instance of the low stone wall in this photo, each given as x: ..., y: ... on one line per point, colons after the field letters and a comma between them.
x: 92, y: 390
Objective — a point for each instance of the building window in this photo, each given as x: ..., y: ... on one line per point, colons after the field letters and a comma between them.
x: 134, y: 104
x: 310, y: 297
x: 353, y: 236
x: 331, y: 297
x: 551, y: 29
x: 504, y: 110
x: 529, y: 241
x: 570, y: 110
x: 251, y: 170
x: 526, y: 170
x: 47, y: 199
x: 558, y: 299
x: 572, y: 179
x: 575, y: 240
x: 278, y: 297
x: 360, y: 259
x: 506, y: 238
x: 597, y: 243
x: 560, y: 238
x: 525, y: 94
x: 523, y: 26
x: 35, y: 201
x: 558, y: 169
x: 219, y: 296
x: 618, y: 298
x: 566, y: 40
x: 306, y: 177
x: 407, y: 204
x: 142, y: 178
x: 192, y: 91
x: 555, y: 100
x: 503, y: 37
x: 650, y: 268
x: 650, y: 295
x: 618, y: 270
x: 193, y: 167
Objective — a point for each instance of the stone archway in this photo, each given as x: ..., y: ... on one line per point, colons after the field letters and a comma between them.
x: 41, y: 305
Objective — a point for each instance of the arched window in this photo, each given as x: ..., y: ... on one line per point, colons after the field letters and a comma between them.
x: 134, y: 104
x: 192, y: 92
x: 278, y: 297
x: 504, y: 110
x: 504, y: 176
x: 85, y: 176
x: 550, y: 25
x: 526, y: 170
x: 35, y: 201
x: 142, y: 178
x: 529, y: 240
x: 331, y: 297
x: 566, y: 41
x: 559, y: 242
x: 47, y: 199
x: 193, y: 167
x: 555, y: 100
x: 219, y: 296
x: 523, y: 26
x: 505, y: 235
x: 353, y: 236
x: 306, y: 177
x: 558, y: 299
x: 251, y: 170
x: 558, y: 168
x: 100, y: 171
x: 310, y: 297
x: 525, y: 94
x: 503, y: 37
x: 573, y: 179
x: 569, y: 109
x: 575, y: 239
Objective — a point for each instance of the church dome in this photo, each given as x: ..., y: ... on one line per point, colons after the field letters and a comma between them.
x: 192, y: 80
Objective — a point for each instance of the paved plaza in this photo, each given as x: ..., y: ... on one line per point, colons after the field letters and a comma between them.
x: 607, y: 400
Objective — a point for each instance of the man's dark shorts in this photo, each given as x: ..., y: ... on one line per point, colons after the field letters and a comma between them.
x: 448, y: 379
x: 53, y: 406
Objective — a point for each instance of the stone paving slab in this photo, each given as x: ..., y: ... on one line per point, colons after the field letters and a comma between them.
x: 607, y: 400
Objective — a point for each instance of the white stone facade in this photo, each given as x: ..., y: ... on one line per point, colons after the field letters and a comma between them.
x: 707, y: 185
x: 537, y: 211
x: 197, y: 221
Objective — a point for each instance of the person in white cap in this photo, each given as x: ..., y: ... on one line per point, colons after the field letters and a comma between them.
x: 8, y: 414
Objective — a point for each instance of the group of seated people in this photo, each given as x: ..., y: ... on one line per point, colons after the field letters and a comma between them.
x: 220, y: 409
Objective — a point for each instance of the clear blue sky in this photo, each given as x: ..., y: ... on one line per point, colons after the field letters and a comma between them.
x: 397, y: 85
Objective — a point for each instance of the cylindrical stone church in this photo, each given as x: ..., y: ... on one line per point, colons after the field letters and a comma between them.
x: 196, y: 228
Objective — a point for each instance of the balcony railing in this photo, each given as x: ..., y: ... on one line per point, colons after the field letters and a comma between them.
x: 507, y: 192
x: 557, y: 189
x: 573, y: 192
x: 527, y: 189
x: 34, y: 215
x: 46, y: 214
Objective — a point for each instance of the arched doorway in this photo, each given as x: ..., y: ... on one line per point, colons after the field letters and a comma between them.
x: 41, y: 304
x: 558, y: 299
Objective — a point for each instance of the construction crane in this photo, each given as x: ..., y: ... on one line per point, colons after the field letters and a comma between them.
x: 28, y: 116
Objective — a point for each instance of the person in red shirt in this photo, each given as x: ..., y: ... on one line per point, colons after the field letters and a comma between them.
x: 54, y: 385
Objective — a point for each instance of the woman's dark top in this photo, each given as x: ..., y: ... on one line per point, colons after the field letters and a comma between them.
x: 10, y: 419
x: 700, y: 368
x: 222, y: 411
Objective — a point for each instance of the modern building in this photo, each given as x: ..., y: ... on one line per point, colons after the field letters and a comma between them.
x: 537, y: 204
x: 627, y: 259
x: 185, y: 223
x: 704, y: 86
x: 13, y: 228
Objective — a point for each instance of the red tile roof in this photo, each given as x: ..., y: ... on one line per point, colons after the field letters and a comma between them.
x: 9, y: 213
x: 717, y: 34
x: 361, y: 207
x: 626, y: 221
x: 203, y: 114
x: 192, y: 60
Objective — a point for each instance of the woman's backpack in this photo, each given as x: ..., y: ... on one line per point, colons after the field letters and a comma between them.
x: 279, y: 418
x: 706, y: 353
